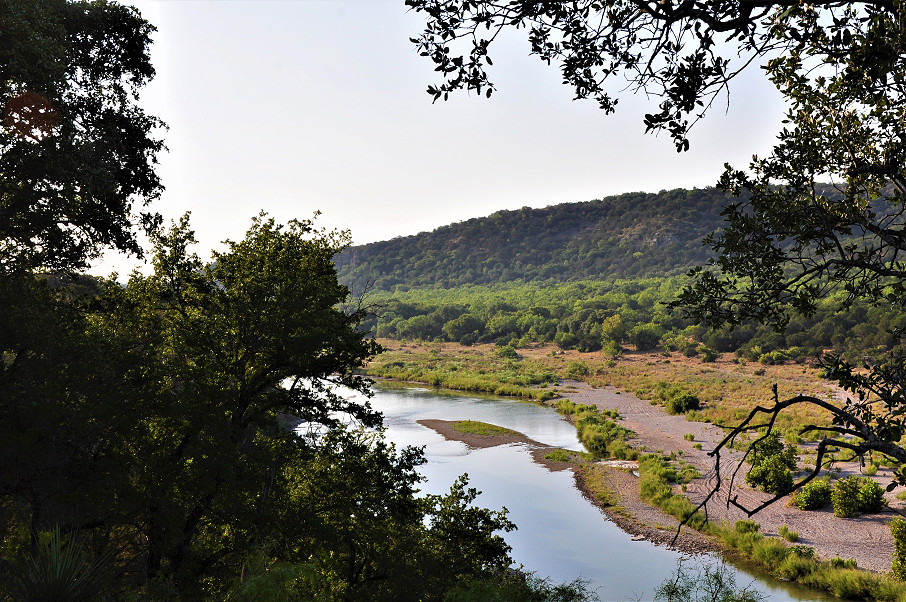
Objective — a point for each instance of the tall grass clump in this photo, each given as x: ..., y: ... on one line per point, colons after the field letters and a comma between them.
x: 602, y: 436
x: 60, y: 569
x: 898, y: 530
x: 655, y: 483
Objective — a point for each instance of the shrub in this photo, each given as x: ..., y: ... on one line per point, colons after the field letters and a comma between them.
x: 812, y: 495
x: 898, y: 530
x: 597, y: 433
x: 682, y: 403
x: 871, y: 496
x: 508, y: 352
x: 845, y: 497
x: 645, y: 336
x: 689, y: 437
x: 61, y: 570
x: 746, y: 526
x: 773, y: 357
x: 576, y: 370
x: 771, y: 465
x: 708, y: 354
x: 870, y: 470
x: 791, y: 536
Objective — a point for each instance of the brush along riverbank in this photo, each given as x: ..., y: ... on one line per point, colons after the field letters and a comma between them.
x: 865, y: 539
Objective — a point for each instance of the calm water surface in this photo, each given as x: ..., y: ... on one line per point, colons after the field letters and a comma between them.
x: 561, y: 534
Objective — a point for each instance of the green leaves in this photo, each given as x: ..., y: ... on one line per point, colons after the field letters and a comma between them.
x: 76, y: 152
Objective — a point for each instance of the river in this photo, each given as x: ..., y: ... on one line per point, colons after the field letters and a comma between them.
x: 560, y: 535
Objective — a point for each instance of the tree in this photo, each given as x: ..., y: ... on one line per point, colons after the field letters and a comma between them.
x: 227, y: 349
x: 789, y: 240
x: 76, y: 152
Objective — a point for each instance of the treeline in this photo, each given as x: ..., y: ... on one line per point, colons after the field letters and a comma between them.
x: 627, y: 236
x: 595, y: 315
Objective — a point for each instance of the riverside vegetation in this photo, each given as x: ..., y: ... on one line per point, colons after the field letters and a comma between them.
x: 725, y: 389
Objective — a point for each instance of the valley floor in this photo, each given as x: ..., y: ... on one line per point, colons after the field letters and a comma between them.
x: 866, y: 539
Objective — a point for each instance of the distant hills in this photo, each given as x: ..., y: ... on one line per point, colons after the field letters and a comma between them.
x: 631, y: 235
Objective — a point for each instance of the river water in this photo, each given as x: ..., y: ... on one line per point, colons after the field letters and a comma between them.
x: 560, y: 535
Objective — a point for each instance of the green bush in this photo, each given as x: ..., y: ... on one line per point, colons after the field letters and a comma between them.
x: 682, y: 402
x: 746, y: 526
x: 871, y: 496
x: 708, y: 354
x: 771, y: 465
x: 898, y: 530
x: 845, y: 497
x: 576, y: 370
x: 856, y: 494
x: 773, y: 357
x: 791, y: 536
x: 598, y: 433
x: 813, y: 495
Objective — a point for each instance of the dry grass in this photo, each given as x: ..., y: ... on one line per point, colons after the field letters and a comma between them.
x: 728, y: 390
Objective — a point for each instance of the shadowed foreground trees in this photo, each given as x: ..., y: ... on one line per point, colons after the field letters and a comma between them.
x: 789, y: 242
x: 147, y: 448
x: 155, y: 424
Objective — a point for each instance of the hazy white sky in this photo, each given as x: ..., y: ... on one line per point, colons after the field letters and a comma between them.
x: 300, y: 106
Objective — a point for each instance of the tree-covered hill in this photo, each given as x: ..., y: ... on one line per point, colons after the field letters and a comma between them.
x: 626, y: 236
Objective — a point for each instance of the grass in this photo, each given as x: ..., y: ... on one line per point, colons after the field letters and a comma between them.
x: 791, y: 536
x: 474, y: 427
x: 558, y: 455
x: 726, y: 389
x: 594, y: 482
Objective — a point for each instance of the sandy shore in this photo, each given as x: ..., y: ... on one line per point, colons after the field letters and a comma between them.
x: 865, y: 538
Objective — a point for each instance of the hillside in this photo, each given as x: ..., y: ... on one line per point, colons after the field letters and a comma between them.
x: 632, y: 235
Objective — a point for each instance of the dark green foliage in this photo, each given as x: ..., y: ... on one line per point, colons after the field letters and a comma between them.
x: 76, y: 151
x: 568, y: 242
x: 61, y: 569
x: 510, y: 587
x: 845, y: 497
x: 602, y: 436
x: 898, y: 565
x: 771, y: 462
x: 164, y: 409
x: 645, y: 336
x: 813, y: 495
x: 681, y: 403
x: 871, y: 496
x: 675, y: 398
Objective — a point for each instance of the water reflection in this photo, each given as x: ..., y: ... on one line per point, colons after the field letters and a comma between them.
x: 561, y: 534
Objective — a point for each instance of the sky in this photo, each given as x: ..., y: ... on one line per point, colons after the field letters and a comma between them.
x: 294, y: 107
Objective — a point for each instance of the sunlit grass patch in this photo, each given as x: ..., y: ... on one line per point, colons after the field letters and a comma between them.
x: 475, y: 427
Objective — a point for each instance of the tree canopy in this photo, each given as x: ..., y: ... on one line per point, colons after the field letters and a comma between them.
x: 77, y: 154
x: 789, y: 241
x: 148, y: 430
